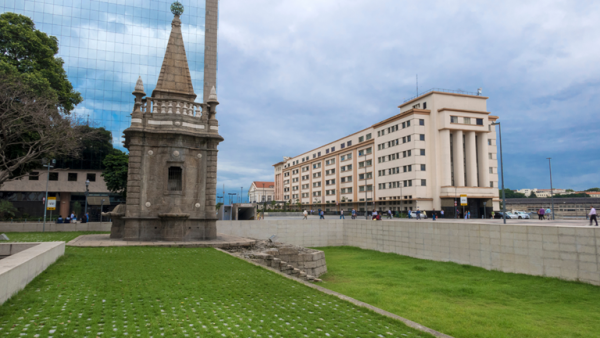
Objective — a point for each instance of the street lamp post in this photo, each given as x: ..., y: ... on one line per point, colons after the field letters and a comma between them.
x: 551, y: 188
x: 101, y: 208
x: 49, y: 165
x: 365, y: 165
x: 87, y: 193
x: 502, y: 169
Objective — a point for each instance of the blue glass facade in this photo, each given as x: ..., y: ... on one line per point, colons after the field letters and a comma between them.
x: 107, y: 44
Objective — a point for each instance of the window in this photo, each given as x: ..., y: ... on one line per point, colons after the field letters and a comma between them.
x: 34, y: 176
x: 422, y: 137
x: 314, y: 155
x: 369, y: 136
x: 423, y: 183
x: 403, y: 125
x: 491, y: 170
x: 319, y: 154
x: 491, y: 184
x: 467, y: 120
x: 330, y: 192
x: 421, y: 122
x: 349, y: 143
x: 326, y: 151
x: 480, y: 122
x: 424, y: 106
x: 330, y: 182
x: 175, y: 179
x: 342, y: 146
x: 422, y: 152
x: 453, y: 119
x: 316, y: 184
x: 489, y: 141
x: 54, y: 177
x: 330, y: 172
x: 422, y: 167
x: 361, y: 139
x: 490, y: 156
x: 317, y: 175
x: 317, y: 165
x: 72, y: 177
x: 407, y: 124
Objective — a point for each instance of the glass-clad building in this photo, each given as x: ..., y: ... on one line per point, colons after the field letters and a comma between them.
x: 108, y: 44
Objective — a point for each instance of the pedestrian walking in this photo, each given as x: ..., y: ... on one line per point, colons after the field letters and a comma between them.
x: 548, y: 213
x: 418, y: 214
x: 353, y: 213
x: 468, y: 214
x: 433, y: 215
x: 305, y: 213
x: 442, y: 213
x: 322, y: 214
x: 342, y: 214
x: 593, y: 216
x: 541, y: 213
x: 374, y: 214
x: 493, y: 214
x: 389, y: 214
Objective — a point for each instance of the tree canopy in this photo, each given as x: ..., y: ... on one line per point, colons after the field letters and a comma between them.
x: 115, y: 171
x: 93, y: 151
x: 594, y: 189
x: 30, y: 56
x: 533, y: 195
x: 512, y: 194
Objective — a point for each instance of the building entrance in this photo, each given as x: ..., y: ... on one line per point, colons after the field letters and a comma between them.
x: 475, y: 206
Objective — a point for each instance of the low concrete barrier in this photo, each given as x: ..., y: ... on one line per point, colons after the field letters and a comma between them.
x: 53, y: 227
x: 18, y: 269
x: 571, y: 253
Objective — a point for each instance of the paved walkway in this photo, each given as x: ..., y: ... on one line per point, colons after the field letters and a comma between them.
x: 104, y: 240
x: 581, y: 222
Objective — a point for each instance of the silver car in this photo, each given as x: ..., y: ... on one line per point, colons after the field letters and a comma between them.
x: 523, y: 215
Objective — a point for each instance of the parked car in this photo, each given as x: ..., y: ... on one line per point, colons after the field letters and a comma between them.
x: 509, y: 215
x: 413, y: 214
x: 523, y: 215
x: 497, y: 214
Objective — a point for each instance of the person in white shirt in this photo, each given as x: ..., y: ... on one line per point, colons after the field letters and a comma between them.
x: 305, y: 213
x: 593, y: 216
x: 374, y: 214
x: 342, y: 214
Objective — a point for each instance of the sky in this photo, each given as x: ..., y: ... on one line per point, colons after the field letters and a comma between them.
x: 296, y: 74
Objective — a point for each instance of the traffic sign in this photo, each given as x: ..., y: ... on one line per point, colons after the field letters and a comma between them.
x: 454, y: 203
x: 463, y: 200
x: 51, y: 203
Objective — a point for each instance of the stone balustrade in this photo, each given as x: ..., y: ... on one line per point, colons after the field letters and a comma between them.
x: 170, y: 106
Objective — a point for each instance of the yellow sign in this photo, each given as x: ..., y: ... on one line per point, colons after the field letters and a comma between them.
x: 463, y: 200
x: 51, y: 203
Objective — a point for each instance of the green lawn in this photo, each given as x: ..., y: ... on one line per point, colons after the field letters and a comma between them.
x: 465, y: 301
x: 178, y: 292
x: 46, y: 236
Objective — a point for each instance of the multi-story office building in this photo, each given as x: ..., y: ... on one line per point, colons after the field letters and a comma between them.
x: 106, y: 45
x: 440, y: 146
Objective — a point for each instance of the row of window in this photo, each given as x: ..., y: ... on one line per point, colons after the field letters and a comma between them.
x: 346, y: 167
x: 397, y: 127
x: 465, y: 120
x: 392, y: 157
x: 398, y: 184
x: 397, y: 170
x: 365, y: 163
x: 363, y: 138
x: 71, y: 177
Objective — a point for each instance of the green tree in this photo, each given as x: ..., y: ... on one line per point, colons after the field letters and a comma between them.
x: 594, y: 189
x: 7, y: 209
x: 77, y: 209
x: 30, y: 55
x: 569, y: 190
x: 115, y: 172
x: 533, y: 195
x: 96, y: 145
x: 512, y: 194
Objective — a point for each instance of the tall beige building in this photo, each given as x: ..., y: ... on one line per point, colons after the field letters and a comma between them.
x: 440, y: 146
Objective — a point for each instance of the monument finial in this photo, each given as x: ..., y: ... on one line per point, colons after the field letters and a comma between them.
x: 213, y: 95
x: 139, y: 87
x: 177, y: 8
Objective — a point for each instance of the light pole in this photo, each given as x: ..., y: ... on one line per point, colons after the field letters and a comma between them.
x: 366, y: 217
x: 87, y: 193
x: 551, y: 188
x: 502, y: 169
x: 49, y: 165
x: 241, y: 192
x: 101, y: 207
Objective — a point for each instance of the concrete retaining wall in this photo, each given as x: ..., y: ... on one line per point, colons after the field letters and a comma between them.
x: 17, y: 270
x: 53, y: 227
x: 570, y: 253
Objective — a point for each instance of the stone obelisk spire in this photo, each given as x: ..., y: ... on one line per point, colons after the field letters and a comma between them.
x: 210, y: 47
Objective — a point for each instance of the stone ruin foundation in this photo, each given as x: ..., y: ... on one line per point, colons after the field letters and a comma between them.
x: 303, y: 263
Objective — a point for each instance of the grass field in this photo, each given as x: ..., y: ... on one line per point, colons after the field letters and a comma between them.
x: 178, y: 292
x: 46, y: 236
x: 465, y: 301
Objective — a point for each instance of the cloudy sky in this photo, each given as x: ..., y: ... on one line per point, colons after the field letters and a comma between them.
x: 296, y: 74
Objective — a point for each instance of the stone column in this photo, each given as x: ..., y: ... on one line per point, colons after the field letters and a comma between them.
x: 445, y: 154
x: 65, y: 204
x: 459, y: 158
x: 471, y: 155
x: 484, y: 160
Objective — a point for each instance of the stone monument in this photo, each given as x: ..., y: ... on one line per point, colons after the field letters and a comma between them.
x: 172, y: 143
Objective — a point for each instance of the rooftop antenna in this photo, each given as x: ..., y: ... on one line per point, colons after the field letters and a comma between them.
x: 417, y: 84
